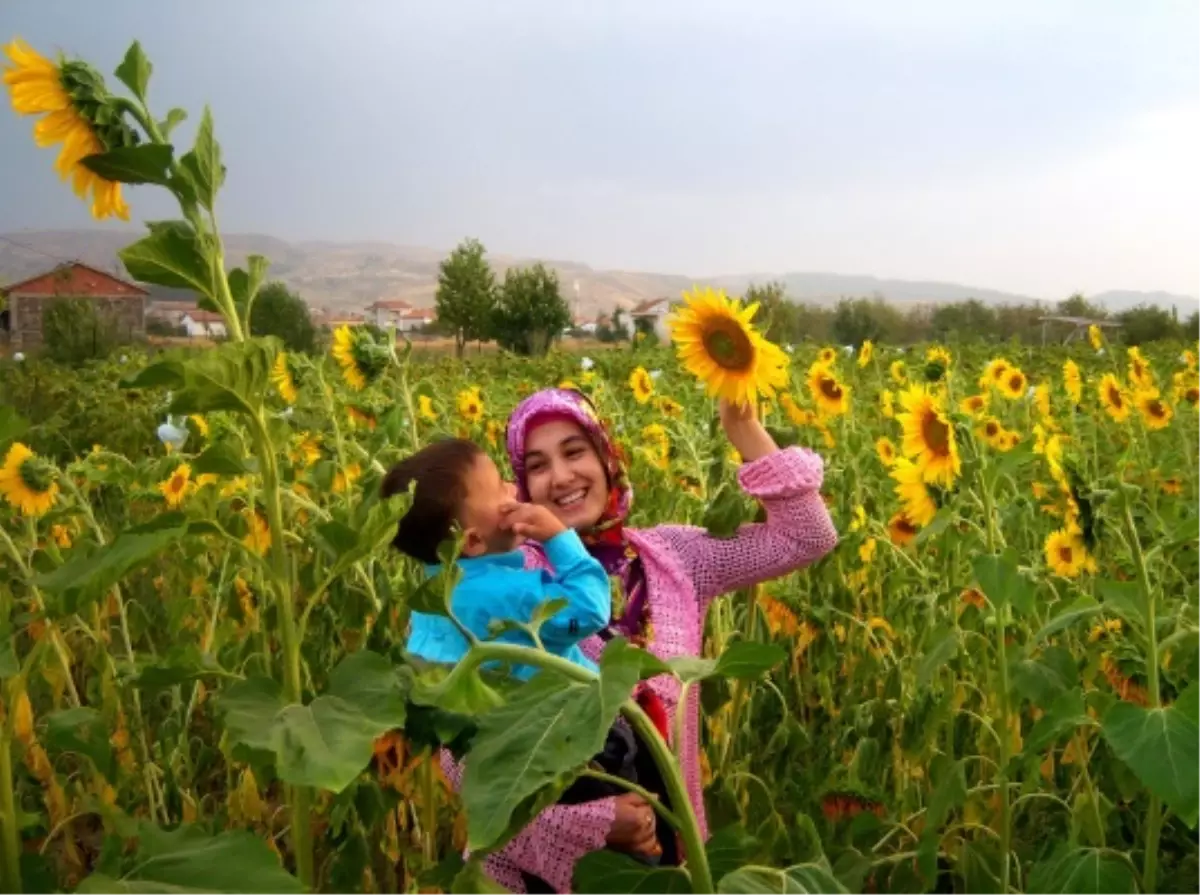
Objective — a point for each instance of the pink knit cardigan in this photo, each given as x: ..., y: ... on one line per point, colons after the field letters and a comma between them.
x: 685, y: 569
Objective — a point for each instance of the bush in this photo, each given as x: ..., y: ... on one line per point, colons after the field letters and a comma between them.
x: 75, y: 331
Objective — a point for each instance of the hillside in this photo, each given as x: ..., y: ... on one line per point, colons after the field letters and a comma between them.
x: 350, y: 276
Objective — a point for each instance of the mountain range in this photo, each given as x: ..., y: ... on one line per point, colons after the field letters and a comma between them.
x: 350, y: 276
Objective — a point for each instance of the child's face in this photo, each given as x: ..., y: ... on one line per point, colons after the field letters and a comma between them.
x: 488, y: 496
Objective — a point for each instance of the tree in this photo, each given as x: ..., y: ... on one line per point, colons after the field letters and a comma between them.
x: 1078, y: 306
x: 1148, y: 323
x: 531, y: 312
x: 772, y: 316
x: 279, y: 312
x: 466, y: 294
x: 963, y: 320
x: 859, y: 319
x: 74, y: 330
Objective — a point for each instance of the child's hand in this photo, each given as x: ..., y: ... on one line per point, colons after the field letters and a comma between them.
x: 529, y: 520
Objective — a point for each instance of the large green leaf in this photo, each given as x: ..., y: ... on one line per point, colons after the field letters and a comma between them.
x: 728, y: 849
x: 472, y: 879
x: 610, y: 871
x: 250, y: 707
x: 188, y: 859
x: 87, y: 575
x: 1001, y: 580
x: 146, y: 163
x: 244, y: 284
x: 1064, y: 715
x: 203, y: 164
x: 233, y: 376
x: 170, y: 256
x: 134, y: 71
x: 81, y: 730
x: 800, y: 879
x: 1073, y: 613
x: 945, y: 647
x: 1090, y: 870
x: 744, y: 660
x: 1041, y: 680
x: 1123, y: 598
x: 1160, y: 746
x: 371, y: 684
x: 223, y: 459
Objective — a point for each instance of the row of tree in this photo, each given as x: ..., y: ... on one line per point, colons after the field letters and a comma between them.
x: 524, y: 314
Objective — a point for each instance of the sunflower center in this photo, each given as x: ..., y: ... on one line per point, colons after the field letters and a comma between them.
x: 830, y: 388
x: 1114, y: 396
x: 729, y: 345
x: 36, y: 474
x: 1066, y: 554
x: 992, y: 429
x: 1155, y: 409
x: 936, y: 434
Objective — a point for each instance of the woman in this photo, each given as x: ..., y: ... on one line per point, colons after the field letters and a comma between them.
x: 563, y: 458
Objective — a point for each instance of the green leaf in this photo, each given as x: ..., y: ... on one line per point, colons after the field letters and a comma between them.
x: 1160, y: 747
x: 610, y: 871
x: 979, y: 864
x: 945, y: 648
x: 800, y: 879
x: 83, y: 731
x: 1081, y: 609
x: 1188, y: 702
x: 728, y: 849
x: 743, y: 660
x: 188, y: 859
x: 940, y: 522
x: 233, y: 376
x: 949, y: 790
x: 203, y: 163
x: 244, y: 285
x: 1041, y: 680
x: 134, y: 71
x: 250, y: 707
x: 1124, y: 599
x: 1082, y: 870
x: 370, y: 683
x: 326, y: 743
x: 174, y: 118
x: 170, y: 256
x: 145, y: 163
x: 473, y: 879
x: 9, y: 664
x: 1066, y: 713
x: 187, y: 664
x: 1001, y: 580
x: 726, y: 512
x: 86, y: 576
x: 12, y: 426
x: 221, y: 459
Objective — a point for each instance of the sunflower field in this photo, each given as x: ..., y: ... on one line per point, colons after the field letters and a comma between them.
x: 989, y: 686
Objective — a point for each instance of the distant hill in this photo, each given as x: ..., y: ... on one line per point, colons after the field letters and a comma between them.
x: 350, y: 276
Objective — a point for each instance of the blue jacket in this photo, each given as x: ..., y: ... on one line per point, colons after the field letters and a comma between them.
x: 498, y: 587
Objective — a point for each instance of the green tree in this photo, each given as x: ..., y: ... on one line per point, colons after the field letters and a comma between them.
x: 74, y: 330
x: 1078, y: 306
x: 1148, y: 323
x: 279, y: 312
x: 859, y: 319
x: 772, y: 317
x: 466, y: 294
x: 531, y: 312
x: 963, y: 320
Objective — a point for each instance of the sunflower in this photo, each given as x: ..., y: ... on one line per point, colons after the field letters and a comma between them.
x: 281, y: 378
x: 1172, y: 486
x: 1112, y: 398
x: 308, y: 449
x: 1008, y: 441
x: 61, y: 535
x: 1095, y: 337
x: 470, y: 405
x: 994, y: 372
x: 1156, y: 413
x: 1140, y: 373
x: 866, y: 352
x: 974, y: 405
x: 1073, y: 382
x: 175, y: 489
x: 797, y: 414
x: 361, y: 360
x: 358, y: 417
x: 658, y: 445
x: 258, y: 534
x: 669, y: 407
x: 929, y: 436
x: 900, y: 529
x: 425, y: 409
x: 1065, y: 553
x: 826, y: 356
x: 27, y: 481
x: 938, y: 354
x: 494, y: 432
x: 718, y: 344
x: 1041, y: 400
x: 886, y: 451
x: 831, y: 397
x: 641, y: 385
x: 343, y: 479
x: 886, y: 405
x: 72, y: 97
x: 1013, y: 384
x: 781, y: 620
x: 919, y: 505
x: 898, y: 372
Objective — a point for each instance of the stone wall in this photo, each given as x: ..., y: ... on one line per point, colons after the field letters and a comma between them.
x: 25, y: 317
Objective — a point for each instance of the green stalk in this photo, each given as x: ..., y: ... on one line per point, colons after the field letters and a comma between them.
x: 1154, y: 819
x: 668, y: 768
x: 10, y: 838
x: 300, y: 797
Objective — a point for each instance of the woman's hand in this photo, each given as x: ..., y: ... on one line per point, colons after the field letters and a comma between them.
x: 633, y: 827
x: 745, y: 432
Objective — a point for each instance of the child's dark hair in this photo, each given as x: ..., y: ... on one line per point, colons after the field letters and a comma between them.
x: 440, y: 471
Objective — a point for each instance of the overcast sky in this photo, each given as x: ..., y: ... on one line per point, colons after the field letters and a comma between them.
x: 1038, y: 147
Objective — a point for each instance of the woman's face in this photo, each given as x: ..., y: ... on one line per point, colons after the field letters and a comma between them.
x: 564, y: 473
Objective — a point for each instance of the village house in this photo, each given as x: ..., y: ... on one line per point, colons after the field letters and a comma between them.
x: 652, y: 315
x: 203, y: 324
x: 388, y: 313
x: 27, y: 302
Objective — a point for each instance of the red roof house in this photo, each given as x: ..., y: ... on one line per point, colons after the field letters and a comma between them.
x: 28, y: 300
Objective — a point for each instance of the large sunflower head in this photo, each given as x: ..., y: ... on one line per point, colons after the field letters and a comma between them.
x: 918, y: 501
x: 27, y: 481
x: 831, y: 396
x: 718, y: 344
x: 1156, y: 413
x: 78, y: 112
x: 1112, y: 398
x: 641, y: 385
x: 1013, y: 384
x: 362, y: 361
x: 929, y: 436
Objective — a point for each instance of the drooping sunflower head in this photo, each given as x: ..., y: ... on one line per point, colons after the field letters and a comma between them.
x: 718, y: 344
x: 470, y: 405
x: 1112, y: 398
x: 1156, y: 413
x: 929, y: 435
x: 361, y: 359
x: 282, y: 379
x: 831, y: 396
x: 27, y: 481
x: 866, y: 352
x: 641, y: 385
x: 425, y: 409
x: 1013, y: 384
x: 78, y: 112
x: 900, y: 530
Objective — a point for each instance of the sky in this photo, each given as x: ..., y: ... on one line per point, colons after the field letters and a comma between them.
x: 1035, y: 147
